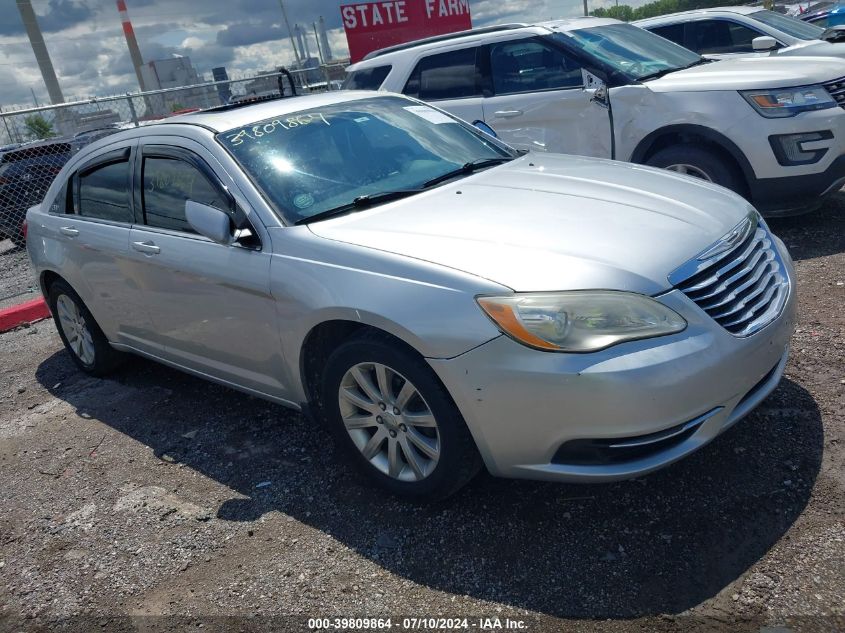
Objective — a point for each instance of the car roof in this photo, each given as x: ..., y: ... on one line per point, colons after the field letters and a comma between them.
x: 226, y: 118
x: 739, y: 10
x: 478, y: 35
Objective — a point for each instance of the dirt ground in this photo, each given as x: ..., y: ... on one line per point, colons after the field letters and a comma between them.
x: 155, y: 501
x: 16, y: 282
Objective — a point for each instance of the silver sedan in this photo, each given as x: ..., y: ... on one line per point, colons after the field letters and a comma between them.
x: 441, y: 302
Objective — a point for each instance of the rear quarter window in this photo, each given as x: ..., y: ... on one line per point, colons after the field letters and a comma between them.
x: 451, y: 75
x: 366, y: 78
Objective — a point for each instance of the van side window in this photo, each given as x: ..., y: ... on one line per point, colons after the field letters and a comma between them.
x: 531, y: 65
x: 168, y: 184
x: 367, y: 78
x: 451, y: 75
x: 104, y: 192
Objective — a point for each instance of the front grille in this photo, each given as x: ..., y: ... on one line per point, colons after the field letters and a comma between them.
x: 836, y: 88
x: 743, y: 288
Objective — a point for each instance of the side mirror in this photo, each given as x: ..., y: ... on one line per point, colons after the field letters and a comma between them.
x: 481, y: 125
x: 764, y: 43
x: 209, y: 221
x: 834, y: 34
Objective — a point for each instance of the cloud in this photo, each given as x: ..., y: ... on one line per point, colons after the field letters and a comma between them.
x: 89, y: 52
x: 246, y: 33
x: 59, y: 15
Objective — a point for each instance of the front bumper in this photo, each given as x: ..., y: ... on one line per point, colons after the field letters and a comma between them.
x: 789, y: 195
x: 523, y: 405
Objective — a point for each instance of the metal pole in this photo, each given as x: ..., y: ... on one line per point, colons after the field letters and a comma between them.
x: 132, y: 110
x: 39, y: 48
x: 290, y: 33
x: 6, y: 123
x: 586, y: 10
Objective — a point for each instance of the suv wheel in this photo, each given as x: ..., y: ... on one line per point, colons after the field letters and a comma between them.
x: 395, y: 421
x: 698, y: 163
x: 80, y: 333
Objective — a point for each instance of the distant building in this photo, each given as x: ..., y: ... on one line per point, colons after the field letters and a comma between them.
x: 175, y: 73
x: 223, y: 90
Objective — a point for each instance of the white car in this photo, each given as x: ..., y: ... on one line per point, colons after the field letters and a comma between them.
x: 742, y: 31
x: 771, y: 129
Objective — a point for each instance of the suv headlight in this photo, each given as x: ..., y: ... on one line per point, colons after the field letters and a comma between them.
x: 786, y: 102
x: 580, y: 321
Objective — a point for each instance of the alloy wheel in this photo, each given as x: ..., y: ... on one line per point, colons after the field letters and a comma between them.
x: 389, y: 421
x: 75, y: 329
x: 690, y: 170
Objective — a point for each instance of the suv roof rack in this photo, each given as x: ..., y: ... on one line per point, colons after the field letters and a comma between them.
x: 445, y: 37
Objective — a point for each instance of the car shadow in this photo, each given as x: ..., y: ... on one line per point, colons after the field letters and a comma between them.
x: 659, y: 544
x: 815, y: 234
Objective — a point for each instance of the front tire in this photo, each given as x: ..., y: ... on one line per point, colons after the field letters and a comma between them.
x: 394, y: 420
x: 699, y: 163
x: 82, y: 337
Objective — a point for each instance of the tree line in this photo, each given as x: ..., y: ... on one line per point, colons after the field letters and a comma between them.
x: 652, y: 9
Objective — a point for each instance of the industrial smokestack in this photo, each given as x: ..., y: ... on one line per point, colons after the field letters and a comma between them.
x: 324, y: 41
x: 305, y: 39
x: 317, y: 39
x: 134, y: 51
x: 40, y: 50
x: 298, y: 30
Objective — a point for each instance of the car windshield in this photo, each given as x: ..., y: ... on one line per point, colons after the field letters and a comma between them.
x: 633, y: 51
x: 313, y: 161
x: 789, y: 25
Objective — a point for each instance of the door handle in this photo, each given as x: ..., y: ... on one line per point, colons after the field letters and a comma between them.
x: 507, y: 114
x: 69, y: 231
x: 148, y: 248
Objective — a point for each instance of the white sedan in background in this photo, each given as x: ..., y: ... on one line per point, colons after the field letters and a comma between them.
x: 742, y: 31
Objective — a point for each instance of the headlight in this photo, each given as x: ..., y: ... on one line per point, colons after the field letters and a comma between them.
x: 787, y: 102
x: 580, y: 321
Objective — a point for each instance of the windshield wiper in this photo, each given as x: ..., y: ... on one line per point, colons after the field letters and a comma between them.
x: 666, y: 71
x: 361, y: 202
x: 467, y: 168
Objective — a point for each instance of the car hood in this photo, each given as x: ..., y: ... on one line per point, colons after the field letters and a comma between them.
x: 815, y: 48
x: 750, y: 73
x: 551, y: 222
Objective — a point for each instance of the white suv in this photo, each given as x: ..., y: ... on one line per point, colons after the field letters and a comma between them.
x: 742, y: 31
x: 772, y: 129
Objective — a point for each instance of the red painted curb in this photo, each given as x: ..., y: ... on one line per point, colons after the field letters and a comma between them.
x: 28, y: 312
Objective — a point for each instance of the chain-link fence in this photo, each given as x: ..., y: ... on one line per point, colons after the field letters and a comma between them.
x: 35, y: 143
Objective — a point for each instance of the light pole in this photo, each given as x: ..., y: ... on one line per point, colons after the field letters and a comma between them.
x: 586, y: 10
x: 290, y: 33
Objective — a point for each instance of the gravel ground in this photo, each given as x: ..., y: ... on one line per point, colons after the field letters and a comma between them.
x: 16, y: 282
x: 155, y: 501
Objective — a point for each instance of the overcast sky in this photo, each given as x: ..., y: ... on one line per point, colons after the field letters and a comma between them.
x: 90, y: 56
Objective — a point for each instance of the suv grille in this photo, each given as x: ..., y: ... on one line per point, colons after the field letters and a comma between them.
x: 742, y: 285
x: 836, y: 88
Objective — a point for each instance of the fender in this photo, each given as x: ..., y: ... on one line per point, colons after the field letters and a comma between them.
x: 643, y: 147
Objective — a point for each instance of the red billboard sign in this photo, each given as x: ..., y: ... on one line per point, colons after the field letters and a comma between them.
x: 373, y: 25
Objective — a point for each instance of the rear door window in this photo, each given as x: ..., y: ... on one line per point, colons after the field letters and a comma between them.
x: 169, y: 183
x: 104, y: 192
x: 452, y: 75
x: 367, y: 78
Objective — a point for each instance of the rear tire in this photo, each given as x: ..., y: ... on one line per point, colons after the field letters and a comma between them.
x: 699, y: 163
x: 407, y: 436
x: 82, y: 337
